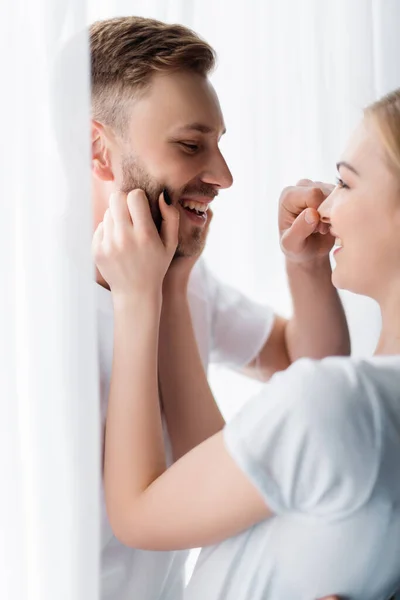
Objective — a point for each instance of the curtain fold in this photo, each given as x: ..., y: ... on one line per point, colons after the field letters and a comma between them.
x: 49, y: 429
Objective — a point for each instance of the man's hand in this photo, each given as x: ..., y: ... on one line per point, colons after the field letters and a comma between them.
x: 303, y: 236
x: 318, y: 327
x: 177, y: 276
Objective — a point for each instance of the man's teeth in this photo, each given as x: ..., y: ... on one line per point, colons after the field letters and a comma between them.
x: 338, y: 242
x: 199, y: 206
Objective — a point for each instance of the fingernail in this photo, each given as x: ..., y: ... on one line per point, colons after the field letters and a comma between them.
x: 167, y: 197
x: 310, y: 218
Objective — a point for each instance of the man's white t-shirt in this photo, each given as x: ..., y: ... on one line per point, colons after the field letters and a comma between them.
x: 321, y: 443
x: 230, y: 329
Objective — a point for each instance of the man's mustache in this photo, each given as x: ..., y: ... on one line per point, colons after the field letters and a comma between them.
x: 208, y: 191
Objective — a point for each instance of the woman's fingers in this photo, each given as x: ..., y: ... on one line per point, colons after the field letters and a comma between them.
x: 170, y: 224
x: 119, y: 211
x: 139, y: 209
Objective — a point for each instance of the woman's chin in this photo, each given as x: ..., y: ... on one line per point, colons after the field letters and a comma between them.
x: 352, y: 283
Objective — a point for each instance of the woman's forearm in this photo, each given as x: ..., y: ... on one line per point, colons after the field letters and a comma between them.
x: 189, y: 406
x: 134, y: 449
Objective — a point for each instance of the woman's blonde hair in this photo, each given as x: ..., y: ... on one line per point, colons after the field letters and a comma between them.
x: 385, y: 115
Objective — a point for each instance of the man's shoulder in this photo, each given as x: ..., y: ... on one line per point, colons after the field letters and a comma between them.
x: 199, y: 282
x: 203, y: 282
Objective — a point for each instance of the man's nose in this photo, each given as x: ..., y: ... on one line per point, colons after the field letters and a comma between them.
x: 217, y: 172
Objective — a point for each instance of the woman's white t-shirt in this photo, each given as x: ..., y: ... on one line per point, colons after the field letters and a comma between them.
x: 321, y: 443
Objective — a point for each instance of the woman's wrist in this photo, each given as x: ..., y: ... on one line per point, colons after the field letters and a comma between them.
x: 138, y: 301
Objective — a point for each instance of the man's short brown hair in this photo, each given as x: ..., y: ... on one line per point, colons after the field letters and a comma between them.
x: 127, y: 51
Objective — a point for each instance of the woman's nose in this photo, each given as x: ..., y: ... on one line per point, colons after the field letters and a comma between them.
x: 325, y: 209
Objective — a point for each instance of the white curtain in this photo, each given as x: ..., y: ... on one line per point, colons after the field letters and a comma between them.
x: 49, y: 427
x: 292, y: 79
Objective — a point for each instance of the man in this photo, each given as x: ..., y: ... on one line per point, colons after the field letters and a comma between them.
x: 156, y: 125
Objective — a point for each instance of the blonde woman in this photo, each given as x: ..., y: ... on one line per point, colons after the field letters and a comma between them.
x: 299, y: 495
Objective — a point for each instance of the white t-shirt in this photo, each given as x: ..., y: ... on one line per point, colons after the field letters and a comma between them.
x: 229, y: 329
x: 321, y: 443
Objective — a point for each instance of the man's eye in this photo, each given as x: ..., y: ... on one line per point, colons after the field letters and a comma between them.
x: 190, y: 147
x: 341, y: 183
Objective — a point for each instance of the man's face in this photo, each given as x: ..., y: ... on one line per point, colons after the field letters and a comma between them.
x: 172, y: 142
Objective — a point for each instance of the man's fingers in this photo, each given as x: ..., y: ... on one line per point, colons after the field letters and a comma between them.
x: 305, y: 183
x: 139, y: 210
x: 170, y: 224
x: 326, y: 188
x: 323, y: 228
x: 294, y: 238
x: 296, y: 199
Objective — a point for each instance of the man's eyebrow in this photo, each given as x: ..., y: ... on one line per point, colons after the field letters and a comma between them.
x: 199, y: 127
x: 343, y: 163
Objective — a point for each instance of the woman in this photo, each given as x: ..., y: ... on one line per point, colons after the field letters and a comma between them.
x: 299, y: 494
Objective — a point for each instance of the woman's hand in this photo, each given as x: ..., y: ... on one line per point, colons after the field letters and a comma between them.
x: 128, y: 250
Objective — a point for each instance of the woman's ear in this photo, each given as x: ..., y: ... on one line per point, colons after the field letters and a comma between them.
x: 101, y: 162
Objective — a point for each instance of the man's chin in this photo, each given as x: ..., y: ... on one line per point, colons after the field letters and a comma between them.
x: 190, y: 248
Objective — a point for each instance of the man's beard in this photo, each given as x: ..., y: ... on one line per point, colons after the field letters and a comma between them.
x: 135, y: 176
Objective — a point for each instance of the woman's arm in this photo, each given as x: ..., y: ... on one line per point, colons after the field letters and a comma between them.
x: 204, y: 497
x: 133, y: 426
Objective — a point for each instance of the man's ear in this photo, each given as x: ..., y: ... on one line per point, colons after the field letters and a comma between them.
x: 101, y: 160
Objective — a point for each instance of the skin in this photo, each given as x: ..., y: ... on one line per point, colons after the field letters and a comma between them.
x: 364, y: 212
x: 171, y: 141
x: 158, y: 150
x: 186, y: 505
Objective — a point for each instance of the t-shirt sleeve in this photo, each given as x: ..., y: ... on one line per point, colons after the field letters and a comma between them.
x: 239, y: 326
x: 310, y: 441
